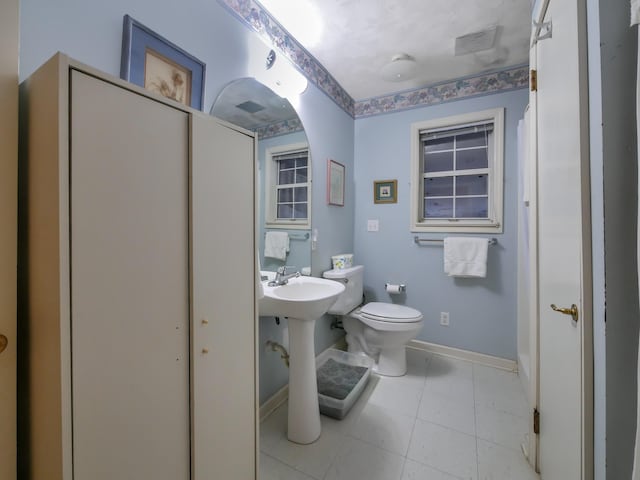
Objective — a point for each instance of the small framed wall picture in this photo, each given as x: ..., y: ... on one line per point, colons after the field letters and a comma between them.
x: 335, y: 183
x: 385, y: 191
x: 158, y: 65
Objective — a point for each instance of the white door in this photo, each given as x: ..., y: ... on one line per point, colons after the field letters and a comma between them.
x: 564, y: 246
x: 8, y: 229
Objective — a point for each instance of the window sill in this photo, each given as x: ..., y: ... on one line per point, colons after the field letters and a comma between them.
x: 288, y: 225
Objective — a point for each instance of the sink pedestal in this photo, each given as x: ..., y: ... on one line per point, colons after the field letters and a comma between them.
x: 302, y: 300
x: 303, y: 424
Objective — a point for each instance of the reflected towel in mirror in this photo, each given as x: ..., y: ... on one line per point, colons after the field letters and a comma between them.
x: 276, y: 245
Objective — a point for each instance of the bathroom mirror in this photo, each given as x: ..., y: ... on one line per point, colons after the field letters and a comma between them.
x: 284, y: 170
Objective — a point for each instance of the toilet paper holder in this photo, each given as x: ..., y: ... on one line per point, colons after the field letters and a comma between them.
x: 393, y: 288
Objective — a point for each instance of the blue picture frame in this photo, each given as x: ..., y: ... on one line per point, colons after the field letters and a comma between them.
x: 140, y: 44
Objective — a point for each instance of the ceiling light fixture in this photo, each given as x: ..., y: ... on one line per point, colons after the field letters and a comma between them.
x: 275, y: 71
x: 401, y: 67
x: 282, y: 77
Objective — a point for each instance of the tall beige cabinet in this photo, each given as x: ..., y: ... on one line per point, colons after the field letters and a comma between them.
x: 137, y: 291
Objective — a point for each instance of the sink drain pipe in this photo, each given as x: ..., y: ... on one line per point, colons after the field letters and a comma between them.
x: 276, y: 347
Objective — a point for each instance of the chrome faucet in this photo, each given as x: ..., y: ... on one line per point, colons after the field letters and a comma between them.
x: 281, y: 276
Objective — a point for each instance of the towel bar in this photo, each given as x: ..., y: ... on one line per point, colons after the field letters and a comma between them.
x: 293, y: 236
x: 417, y: 240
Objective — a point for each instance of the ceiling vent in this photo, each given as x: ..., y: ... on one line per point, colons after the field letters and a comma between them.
x: 476, y: 42
x: 250, y: 107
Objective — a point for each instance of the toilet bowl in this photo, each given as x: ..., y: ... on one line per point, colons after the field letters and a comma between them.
x: 379, y: 330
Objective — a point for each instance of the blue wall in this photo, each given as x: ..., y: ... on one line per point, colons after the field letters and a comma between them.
x: 91, y: 31
x: 482, y: 311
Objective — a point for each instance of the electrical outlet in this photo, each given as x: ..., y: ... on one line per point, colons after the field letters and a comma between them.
x: 373, y: 225
x: 444, y: 318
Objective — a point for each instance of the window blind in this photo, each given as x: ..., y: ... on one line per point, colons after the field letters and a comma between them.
x: 449, y: 132
x: 290, y: 155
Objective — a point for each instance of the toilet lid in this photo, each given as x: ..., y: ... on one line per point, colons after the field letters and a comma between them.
x: 390, y: 312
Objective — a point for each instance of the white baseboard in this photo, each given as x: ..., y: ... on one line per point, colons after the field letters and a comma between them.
x: 523, y: 372
x: 274, y: 402
x: 480, y: 358
x: 282, y: 395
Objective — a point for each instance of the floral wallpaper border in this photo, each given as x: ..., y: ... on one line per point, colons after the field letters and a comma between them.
x: 279, y: 128
x: 260, y: 20
x: 504, y: 80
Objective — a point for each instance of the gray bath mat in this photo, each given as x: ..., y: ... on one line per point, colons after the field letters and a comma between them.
x: 336, y: 379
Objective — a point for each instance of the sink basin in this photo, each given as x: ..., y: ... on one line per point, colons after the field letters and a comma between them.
x: 304, y: 298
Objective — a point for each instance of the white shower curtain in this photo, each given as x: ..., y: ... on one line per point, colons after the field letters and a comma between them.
x: 635, y: 19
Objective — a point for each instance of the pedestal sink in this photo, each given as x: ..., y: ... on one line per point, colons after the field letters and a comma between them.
x: 302, y: 300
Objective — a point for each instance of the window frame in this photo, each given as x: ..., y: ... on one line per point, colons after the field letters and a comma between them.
x: 492, y: 224
x: 271, y: 187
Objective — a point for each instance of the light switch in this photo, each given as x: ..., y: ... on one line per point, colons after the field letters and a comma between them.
x: 372, y: 225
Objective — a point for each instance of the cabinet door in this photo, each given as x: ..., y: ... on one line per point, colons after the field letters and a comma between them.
x: 129, y: 284
x: 225, y: 321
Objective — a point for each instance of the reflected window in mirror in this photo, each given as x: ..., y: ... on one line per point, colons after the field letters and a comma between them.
x: 278, y: 129
x: 287, y: 186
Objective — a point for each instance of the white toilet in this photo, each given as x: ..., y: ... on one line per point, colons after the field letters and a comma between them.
x: 380, y: 330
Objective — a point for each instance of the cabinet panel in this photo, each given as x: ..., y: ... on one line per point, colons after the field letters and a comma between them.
x: 129, y: 284
x: 225, y: 320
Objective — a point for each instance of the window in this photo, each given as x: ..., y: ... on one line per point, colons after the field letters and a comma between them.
x: 287, y: 186
x: 457, y: 165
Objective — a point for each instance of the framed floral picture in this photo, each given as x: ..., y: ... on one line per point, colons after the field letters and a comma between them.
x: 335, y: 183
x: 158, y: 65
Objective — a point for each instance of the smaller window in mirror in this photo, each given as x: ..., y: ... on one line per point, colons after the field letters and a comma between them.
x: 287, y: 186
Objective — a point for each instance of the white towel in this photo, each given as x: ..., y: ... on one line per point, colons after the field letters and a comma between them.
x: 635, y: 12
x: 524, y: 164
x: 260, y: 291
x: 276, y: 245
x: 465, y: 256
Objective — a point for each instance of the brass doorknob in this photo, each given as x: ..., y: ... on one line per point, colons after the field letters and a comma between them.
x: 573, y: 311
x: 3, y: 343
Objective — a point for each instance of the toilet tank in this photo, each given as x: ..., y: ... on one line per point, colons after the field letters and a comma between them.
x: 352, y: 295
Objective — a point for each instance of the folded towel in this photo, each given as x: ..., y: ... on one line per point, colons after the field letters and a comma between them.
x: 276, y: 245
x: 465, y: 256
x: 260, y: 291
x: 635, y: 12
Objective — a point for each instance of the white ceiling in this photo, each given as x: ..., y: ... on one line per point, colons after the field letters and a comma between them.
x: 358, y: 37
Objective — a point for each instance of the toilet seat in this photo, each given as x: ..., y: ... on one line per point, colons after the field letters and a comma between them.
x: 388, y: 317
x: 390, y: 312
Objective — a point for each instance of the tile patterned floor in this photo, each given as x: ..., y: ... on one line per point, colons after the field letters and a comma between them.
x: 447, y: 419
